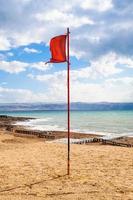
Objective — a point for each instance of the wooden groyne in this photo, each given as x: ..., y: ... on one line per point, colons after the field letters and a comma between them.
x: 44, y: 134
x: 102, y: 141
x: 49, y: 135
x: 116, y: 143
x: 12, y: 118
x: 87, y: 140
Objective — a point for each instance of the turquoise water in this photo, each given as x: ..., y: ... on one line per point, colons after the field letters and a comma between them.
x: 107, y: 122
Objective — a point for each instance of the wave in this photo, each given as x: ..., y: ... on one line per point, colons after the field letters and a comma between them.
x: 54, y: 124
x: 39, y: 124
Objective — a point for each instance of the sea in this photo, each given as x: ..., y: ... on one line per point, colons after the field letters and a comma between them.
x: 109, y: 123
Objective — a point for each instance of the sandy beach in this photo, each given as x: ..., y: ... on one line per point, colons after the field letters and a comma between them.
x: 32, y: 168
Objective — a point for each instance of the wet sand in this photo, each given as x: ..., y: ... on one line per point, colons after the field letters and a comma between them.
x: 35, y: 169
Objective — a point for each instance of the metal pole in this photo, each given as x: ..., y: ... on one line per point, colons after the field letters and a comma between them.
x: 68, y: 102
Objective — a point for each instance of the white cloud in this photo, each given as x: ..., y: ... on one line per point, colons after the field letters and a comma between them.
x: 82, y: 87
x: 112, y: 90
x: 105, y: 66
x: 43, y: 20
x: 13, y: 66
x: 5, y: 43
x: 17, y: 66
x: 56, y: 77
x: 85, y: 85
x: 63, y: 19
x: 127, y: 81
x: 41, y: 66
x: 31, y: 50
x: 78, y: 54
x: 99, y: 5
x: 9, y: 95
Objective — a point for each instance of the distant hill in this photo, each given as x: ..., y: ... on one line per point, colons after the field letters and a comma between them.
x: 103, y: 106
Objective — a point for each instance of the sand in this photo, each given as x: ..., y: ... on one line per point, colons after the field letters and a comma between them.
x: 33, y: 169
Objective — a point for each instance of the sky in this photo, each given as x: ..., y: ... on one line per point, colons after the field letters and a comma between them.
x: 101, y: 50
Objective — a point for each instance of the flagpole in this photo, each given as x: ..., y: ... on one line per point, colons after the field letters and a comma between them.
x: 68, y: 102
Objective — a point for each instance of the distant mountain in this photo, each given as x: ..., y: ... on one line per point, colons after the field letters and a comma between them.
x: 103, y: 106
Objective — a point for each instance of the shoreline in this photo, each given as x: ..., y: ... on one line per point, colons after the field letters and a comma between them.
x: 41, y: 124
x: 7, y: 123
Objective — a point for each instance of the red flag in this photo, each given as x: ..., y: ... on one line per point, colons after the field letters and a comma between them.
x: 58, y: 49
